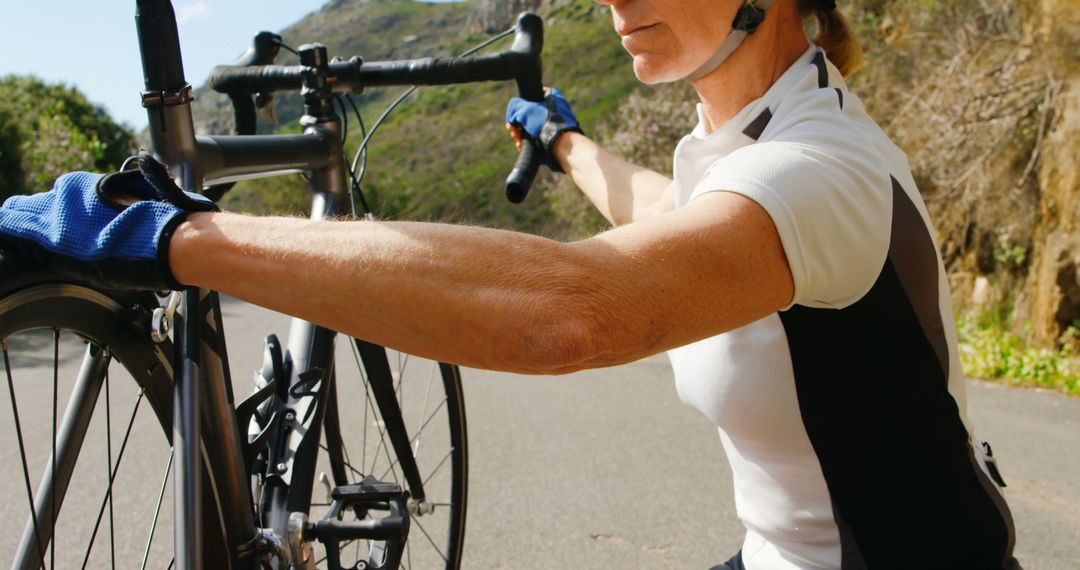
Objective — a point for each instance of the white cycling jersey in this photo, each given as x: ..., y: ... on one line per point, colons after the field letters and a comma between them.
x: 843, y: 416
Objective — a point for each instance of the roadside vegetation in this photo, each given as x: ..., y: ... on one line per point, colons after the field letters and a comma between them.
x: 49, y: 129
x: 989, y: 350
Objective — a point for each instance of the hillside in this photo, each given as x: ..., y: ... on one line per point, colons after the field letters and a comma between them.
x: 443, y: 155
x: 982, y: 94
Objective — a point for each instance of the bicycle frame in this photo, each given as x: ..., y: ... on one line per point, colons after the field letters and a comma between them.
x: 203, y: 405
x: 202, y: 381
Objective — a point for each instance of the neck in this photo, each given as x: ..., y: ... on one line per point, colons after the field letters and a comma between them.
x: 754, y: 66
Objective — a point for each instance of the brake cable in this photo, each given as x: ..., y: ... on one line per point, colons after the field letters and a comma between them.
x: 360, y: 158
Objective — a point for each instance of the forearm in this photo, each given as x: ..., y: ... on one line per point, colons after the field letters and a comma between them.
x: 472, y: 296
x: 623, y: 192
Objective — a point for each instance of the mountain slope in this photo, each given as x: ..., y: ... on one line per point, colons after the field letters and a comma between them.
x: 444, y: 154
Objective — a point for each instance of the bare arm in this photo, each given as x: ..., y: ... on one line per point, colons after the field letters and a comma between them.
x: 623, y: 192
x: 503, y: 300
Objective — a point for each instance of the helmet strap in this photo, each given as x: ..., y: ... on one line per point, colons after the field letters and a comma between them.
x: 747, y: 20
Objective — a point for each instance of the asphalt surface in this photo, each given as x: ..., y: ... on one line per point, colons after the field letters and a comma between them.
x: 601, y: 469
x: 608, y: 469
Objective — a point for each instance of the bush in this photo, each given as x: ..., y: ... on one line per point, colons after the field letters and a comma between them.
x: 47, y: 130
x: 989, y: 351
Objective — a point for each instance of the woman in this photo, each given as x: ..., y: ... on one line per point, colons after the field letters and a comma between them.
x: 788, y: 268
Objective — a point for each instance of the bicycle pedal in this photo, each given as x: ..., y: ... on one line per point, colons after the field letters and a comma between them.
x: 368, y: 490
x: 368, y: 495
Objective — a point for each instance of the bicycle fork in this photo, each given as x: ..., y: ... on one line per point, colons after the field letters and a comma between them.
x: 206, y: 441
x: 293, y: 404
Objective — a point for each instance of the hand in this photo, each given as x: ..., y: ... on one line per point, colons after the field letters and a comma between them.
x: 542, y: 122
x: 111, y: 231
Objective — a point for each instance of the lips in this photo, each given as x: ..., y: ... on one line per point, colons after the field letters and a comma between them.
x: 627, y: 31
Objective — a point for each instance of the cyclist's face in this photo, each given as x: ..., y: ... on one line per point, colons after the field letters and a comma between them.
x: 670, y: 39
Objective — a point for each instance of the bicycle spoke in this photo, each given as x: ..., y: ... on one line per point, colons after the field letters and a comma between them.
x: 400, y: 380
x: 416, y: 438
x: 22, y: 450
x: 55, y: 386
x: 439, y: 466
x: 383, y: 446
x: 364, y: 380
x: 348, y: 465
x: 423, y: 412
x: 113, y: 471
x: 428, y: 536
x: 108, y: 457
x: 403, y: 360
x: 157, y: 510
x: 348, y: 460
x: 341, y: 547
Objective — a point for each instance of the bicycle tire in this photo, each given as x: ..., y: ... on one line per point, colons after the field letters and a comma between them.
x: 99, y: 325
x: 435, y: 539
x: 106, y: 321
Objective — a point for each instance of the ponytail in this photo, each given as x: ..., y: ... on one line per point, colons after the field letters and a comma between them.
x: 834, y: 35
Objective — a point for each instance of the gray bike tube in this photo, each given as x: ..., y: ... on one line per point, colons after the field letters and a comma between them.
x: 221, y: 434
x: 80, y: 411
x: 228, y: 158
x: 201, y: 382
x: 188, y: 544
x: 310, y: 347
x: 172, y: 136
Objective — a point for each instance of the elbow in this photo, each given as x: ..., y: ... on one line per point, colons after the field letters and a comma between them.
x: 585, y: 338
x: 558, y: 349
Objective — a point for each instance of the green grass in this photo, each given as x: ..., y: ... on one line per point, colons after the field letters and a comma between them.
x: 444, y: 155
x: 990, y: 351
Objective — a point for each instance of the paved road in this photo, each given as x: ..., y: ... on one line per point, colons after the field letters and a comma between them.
x: 607, y: 469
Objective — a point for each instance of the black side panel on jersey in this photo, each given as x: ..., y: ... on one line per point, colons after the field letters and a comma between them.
x: 872, y: 383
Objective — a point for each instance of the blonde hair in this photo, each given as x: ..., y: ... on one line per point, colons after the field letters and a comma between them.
x: 835, y: 36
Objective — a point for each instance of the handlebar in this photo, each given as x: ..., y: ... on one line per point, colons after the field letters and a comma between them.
x: 522, y: 62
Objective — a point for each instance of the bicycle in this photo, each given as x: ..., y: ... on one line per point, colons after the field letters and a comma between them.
x: 244, y: 474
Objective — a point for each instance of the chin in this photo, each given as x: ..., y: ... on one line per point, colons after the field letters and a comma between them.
x: 652, y: 70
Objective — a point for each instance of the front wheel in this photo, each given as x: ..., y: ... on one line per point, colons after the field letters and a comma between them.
x: 359, y: 444
x: 86, y: 480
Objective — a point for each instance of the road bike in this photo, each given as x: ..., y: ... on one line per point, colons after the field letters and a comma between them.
x: 344, y: 455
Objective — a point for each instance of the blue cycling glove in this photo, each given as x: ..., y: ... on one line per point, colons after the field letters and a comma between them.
x: 82, y: 229
x: 544, y: 122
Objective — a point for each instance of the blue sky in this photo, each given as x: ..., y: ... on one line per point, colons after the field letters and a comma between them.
x: 91, y: 43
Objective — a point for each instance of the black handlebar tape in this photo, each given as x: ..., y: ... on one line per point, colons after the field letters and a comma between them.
x: 521, y: 62
x: 529, y: 41
x: 159, y: 45
x: 256, y: 79
x: 264, y: 49
x: 439, y: 70
x: 521, y: 177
